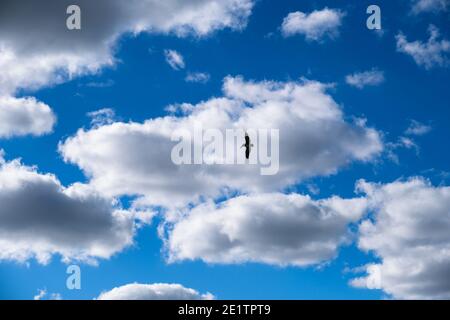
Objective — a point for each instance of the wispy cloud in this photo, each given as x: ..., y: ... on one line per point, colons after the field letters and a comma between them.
x: 100, y: 84
x: 174, y: 59
x: 199, y: 77
x: 367, y: 78
x: 417, y: 128
x: 406, y: 141
x: 43, y: 294
x: 101, y: 117
x: 433, y: 53
x: 434, y: 6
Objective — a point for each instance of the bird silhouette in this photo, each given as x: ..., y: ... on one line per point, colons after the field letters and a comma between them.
x: 248, y: 146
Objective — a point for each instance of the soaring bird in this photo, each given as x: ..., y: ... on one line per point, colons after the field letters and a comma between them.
x: 248, y: 146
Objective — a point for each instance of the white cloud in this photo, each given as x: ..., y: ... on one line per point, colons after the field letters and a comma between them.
x: 417, y: 128
x: 419, y: 6
x: 32, y: 57
x: 315, y: 25
x: 407, y: 140
x: 174, y: 59
x: 101, y: 117
x: 156, y: 291
x: 42, y: 294
x: 433, y: 53
x: 401, y: 143
x: 100, y: 84
x: 199, y: 77
x: 39, y: 217
x: 23, y: 116
x: 273, y: 228
x: 36, y: 50
x: 135, y: 158
x: 360, y: 80
x: 409, y: 233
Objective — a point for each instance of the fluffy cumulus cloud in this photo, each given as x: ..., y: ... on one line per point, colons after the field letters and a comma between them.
x: 273, y: 228
x: 419, y: 6
x: 409, y: 234
x: 360, y: 80
x: 39, y: 217
x: 22, y: 116
x: 156, y: 291
x: 315, y: 25
x: 433, y: 53
x: 31, y: 57
x: 135, y: 158
x: 36, y: 48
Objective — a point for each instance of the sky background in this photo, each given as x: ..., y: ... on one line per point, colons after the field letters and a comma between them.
x: 142, y: 84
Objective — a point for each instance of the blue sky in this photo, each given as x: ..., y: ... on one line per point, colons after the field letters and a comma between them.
x: 141, y: 84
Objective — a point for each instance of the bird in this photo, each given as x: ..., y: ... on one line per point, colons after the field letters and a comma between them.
x: 248, y: 146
